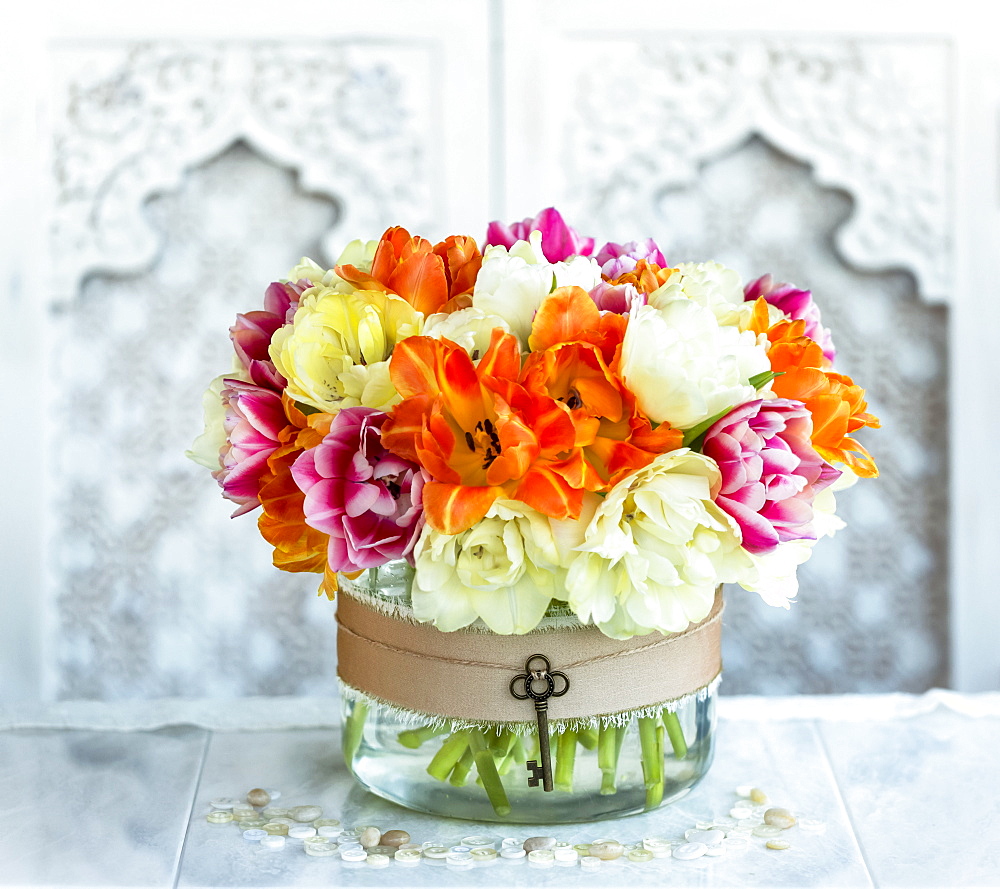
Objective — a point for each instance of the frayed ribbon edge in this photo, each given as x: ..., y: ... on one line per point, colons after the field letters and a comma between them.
x: 619, y: 719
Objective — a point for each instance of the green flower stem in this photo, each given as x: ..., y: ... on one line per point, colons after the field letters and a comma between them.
x: 451, y: 751
x: 353, y: 730
x: 460, y: 774
x: 414, y: 737
x: 516, y: 754
x: 607, y: 757
x: 654, y: 794
x: 587, y: 737
x: 487, y: 768
x: 499, y: 743
x: 652, y: 768
x: 675, y: 733
x: 565, y: 760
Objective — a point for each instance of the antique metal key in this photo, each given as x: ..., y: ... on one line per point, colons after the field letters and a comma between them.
x: 539, y: 685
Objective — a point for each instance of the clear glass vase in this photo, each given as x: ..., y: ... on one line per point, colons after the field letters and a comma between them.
x: 607, y: 766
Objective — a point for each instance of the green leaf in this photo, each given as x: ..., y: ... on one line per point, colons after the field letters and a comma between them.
x: 758, y: 381
x: 694, y: 435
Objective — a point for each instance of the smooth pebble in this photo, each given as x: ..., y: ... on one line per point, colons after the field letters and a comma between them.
x: 394, y: 838
x: 369, y: 837
x: 306, y: 813
x: 535, y: 844
x: 778, y: 817
x: 758, y: 797
x: 607, y: 851
x: 258, y: 797
x: 778, y: 845
x: 690, y: 851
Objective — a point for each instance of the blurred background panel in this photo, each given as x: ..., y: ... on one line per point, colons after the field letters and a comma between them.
x: 182, y: 162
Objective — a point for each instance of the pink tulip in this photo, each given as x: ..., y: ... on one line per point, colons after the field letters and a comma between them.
x: 797, y: 305
x: 559, y: 241
x: 365, y: 497
x: 618, y: 259
x: 252, y: 332
x: 254, y: 420
x: 618, y: 298
x: 770, y: 471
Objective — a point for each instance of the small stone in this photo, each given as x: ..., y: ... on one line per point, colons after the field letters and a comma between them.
x: 778, y: 845
x: 306, y: 813
x: 394, y: 838
x: 640, y: 855
x: 766, y: 830
x: 690, y: 851
x: 369, y: 837
x: 777, y: 817
x: 534, y: 844
x: 758, y: 797
x: 607, y: 851
x: 258, y: 797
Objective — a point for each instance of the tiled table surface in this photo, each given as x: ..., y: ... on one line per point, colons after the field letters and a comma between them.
x: 116, y: 795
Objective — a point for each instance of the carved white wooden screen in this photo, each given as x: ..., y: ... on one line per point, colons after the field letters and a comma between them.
x: 179, y: 174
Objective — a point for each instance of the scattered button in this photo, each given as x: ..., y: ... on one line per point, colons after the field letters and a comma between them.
x: 589, y: 862
x: 377, y: 860
x: 326, y: 822
x: 219, y: 816
x: 766, y: 831
x: 483, y: 853
x: 512, y: 852
x: 565, y: 853
x: 640, y: 855
x: 435, y: 852
x: 778, y: 845
x: 459, y: 859
x: 276, y: 812
x: 408, y: 857
x: 273, y: 842
x: 542, y: 857
x: 254, y: 835
x: 736, y: 844
x: 224, y: 802
x: 353, y: 854
x: 690, y: 851
x: 322, y: 850
x: 708, y: 837
x: 330, y: 832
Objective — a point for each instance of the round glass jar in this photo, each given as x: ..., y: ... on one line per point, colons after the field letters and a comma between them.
x: 606, y: 765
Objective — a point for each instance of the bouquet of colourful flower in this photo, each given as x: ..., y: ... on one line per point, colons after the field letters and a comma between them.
x: 537, y: 422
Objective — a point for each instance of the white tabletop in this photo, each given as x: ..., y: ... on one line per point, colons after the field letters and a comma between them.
x: 907, y: 790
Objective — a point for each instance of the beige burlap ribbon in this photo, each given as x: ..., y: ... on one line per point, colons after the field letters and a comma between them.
x: 466, y: 675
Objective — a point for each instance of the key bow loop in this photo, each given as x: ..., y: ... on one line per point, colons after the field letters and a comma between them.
x: 543, y: 675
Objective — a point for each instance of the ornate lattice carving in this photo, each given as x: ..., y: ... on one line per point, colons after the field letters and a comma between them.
x: 872, y: 613
x: 870, y: 116
x: 129, y: 121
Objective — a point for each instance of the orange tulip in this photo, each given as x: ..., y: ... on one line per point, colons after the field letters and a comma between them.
x: 576, y: 353
x: 837, y: 405
x: 297, y: 547
x: 437, y: 278
x: 478, y: 434
x: 645, y: 277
